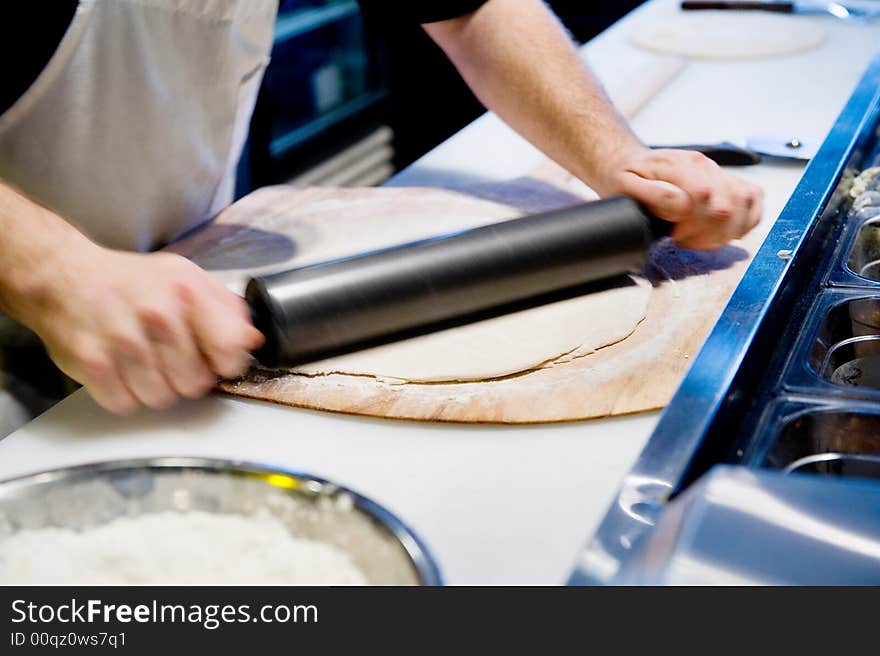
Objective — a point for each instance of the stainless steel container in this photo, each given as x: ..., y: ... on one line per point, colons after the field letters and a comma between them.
x: 86, y: 496
x: 787, y: 381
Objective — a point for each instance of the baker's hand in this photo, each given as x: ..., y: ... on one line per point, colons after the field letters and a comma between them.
x: 708, y: 206
x: 139, y: 329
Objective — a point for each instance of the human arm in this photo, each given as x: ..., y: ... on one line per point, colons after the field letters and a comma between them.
x: 135, y: 329
x: 519, y: 61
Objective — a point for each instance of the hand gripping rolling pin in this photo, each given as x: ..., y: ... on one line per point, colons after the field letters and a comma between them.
x: 342, y: 305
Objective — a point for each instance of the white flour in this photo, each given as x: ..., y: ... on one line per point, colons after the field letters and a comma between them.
x: 175, y: 548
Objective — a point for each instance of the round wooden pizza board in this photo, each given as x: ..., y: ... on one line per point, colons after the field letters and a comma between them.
x: 278, y: 228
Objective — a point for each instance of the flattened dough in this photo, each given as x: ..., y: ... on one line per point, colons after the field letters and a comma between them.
x: 730, y: 35
x: 277, y: 228
x: 505, y: 345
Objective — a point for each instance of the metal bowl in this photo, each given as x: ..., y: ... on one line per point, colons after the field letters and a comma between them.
x: 86, y: 496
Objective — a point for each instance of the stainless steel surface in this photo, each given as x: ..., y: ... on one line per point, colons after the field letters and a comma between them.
x: 848, y: 345
x: 784, y: 147
x: 662, y: 468
x: 381, y: 546
x: 737, y: 526
x: 837, y: 464
x: 840, y: 441
x: 775, y: 146
x: 845, y: 12
x: 865, y: 258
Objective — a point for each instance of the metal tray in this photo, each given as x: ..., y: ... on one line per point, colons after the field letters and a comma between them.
x: 857, y: 261
x: 765, y: 348
x: 801, y: 435
x: 837, y: 354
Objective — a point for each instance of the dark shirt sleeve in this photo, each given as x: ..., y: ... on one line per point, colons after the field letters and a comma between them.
x: 417, y: 11
x: 29, y: 35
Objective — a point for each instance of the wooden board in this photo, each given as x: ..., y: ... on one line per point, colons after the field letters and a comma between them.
x: 280, y: 227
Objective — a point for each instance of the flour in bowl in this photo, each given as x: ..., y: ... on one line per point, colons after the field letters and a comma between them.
x: 172, y: 548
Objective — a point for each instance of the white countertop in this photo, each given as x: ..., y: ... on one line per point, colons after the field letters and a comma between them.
x: 495, y: 504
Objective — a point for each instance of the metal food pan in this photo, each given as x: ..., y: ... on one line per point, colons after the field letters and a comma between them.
x: 804, y: 436
x: 837, y: 354
x: 857, y: 262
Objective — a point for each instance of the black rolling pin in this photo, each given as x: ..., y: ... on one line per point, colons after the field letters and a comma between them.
x: 779, y: 7
x: 343, y: 304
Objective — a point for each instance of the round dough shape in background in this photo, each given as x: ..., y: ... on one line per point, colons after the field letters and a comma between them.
x: 730, y: 35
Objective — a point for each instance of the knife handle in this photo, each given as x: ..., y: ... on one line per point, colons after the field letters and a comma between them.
x: 724, y: 154
x: 781, y: 7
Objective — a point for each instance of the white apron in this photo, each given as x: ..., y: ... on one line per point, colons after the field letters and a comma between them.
x: 133, y: 130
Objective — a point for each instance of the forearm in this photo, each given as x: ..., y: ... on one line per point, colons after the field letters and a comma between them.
x: 520, y: 62
x: 36, y: 248
x: 135, y: 329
